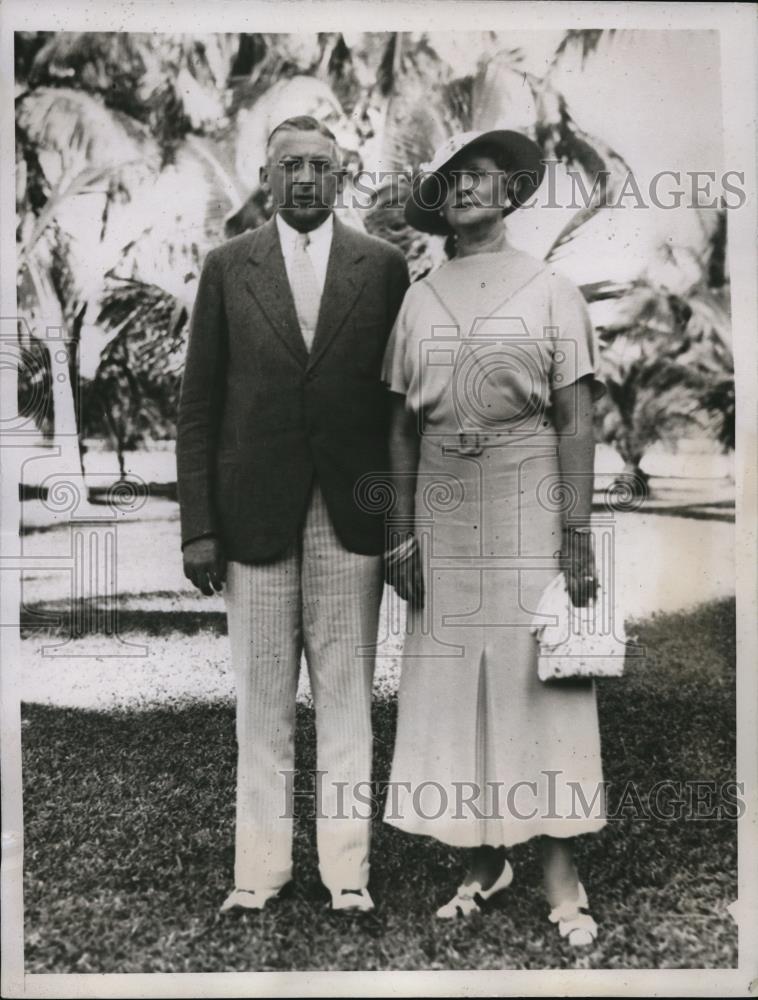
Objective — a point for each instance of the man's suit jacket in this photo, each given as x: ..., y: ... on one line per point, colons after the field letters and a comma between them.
x: 259, y: 416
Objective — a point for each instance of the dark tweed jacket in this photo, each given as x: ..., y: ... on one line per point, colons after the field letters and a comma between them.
x: 259, y: 416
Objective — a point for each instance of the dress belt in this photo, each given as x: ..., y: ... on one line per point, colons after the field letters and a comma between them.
x: 474, y: 442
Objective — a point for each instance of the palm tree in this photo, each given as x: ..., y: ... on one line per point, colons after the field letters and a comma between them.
x: 193, y: 113
x: 84, y: 155
x: 668, y: 363
x: 170, y: 83
x: 70, y: 151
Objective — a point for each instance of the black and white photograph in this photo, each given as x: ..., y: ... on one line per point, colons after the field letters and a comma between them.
x: 378, y: 499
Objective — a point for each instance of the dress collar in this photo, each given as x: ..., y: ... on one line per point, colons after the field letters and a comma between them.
x: 478, y: 285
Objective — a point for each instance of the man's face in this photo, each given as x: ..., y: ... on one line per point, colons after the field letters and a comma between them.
x: 301, y: 174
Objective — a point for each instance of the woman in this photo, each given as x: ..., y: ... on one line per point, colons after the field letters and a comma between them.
x: 491, y: 371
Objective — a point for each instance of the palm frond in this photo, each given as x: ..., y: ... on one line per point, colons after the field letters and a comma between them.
x: 173, y: 83
x: 149, y: 321
x: 572, y: 227
x: 388, y: 67
x: 502, y: 94
x: 582, y: 40
x: 80, y: 148
x: 225, y: 192
x: 597, y: 168
x: 601, y: 291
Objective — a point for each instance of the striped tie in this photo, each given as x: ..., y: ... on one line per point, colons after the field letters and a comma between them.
x: 305, y: 289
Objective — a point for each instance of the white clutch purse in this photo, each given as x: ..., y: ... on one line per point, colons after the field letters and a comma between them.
x: 577, y: 642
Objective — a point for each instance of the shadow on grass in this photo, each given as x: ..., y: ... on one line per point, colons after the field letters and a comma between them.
x: 129, y: 821
x: 695, y: 511
x: 55, y: 617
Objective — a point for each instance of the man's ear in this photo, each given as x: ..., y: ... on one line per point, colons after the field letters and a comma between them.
x: 263, y: 177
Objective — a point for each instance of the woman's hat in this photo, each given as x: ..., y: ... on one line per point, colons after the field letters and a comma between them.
x: 524, y: 159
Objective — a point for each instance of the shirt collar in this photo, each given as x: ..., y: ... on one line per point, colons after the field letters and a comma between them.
x: 320, y: 236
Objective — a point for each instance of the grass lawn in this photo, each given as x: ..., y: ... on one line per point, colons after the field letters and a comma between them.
x: 129, y: 820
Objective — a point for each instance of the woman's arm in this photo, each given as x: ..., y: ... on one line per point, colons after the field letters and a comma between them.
x: 404, y: 573
x: 572, y: 413
x: 404, y: 451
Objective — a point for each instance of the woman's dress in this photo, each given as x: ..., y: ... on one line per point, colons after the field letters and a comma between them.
x: 485, y: 752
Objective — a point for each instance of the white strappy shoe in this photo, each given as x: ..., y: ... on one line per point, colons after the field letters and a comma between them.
x: 465, y: 901
x: 579, y: 928
x: 247, y: 899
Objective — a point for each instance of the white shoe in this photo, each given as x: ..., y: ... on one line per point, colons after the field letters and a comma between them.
x: 248, y: 899
x: 352, y: 899
x: 579, y: 928
x: 465, y: 901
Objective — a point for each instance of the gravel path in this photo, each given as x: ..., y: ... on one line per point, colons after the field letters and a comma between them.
x: 178, y: 648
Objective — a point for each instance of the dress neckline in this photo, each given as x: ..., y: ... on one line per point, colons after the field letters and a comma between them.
x: 487, y: 254
x: 485, y: 285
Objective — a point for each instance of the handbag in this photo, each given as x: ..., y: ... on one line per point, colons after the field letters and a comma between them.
x: 577, y: 642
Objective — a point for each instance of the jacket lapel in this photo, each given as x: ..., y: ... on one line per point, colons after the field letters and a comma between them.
x: 267, y: 282
x: 344, y: 280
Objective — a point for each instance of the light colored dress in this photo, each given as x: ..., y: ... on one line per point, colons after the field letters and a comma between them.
x: 485, y: 752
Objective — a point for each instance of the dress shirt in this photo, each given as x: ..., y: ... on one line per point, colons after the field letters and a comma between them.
x: 319, y: 246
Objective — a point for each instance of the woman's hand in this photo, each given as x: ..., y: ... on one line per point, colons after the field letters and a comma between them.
x: 402, y: 570
x: 578, y: 564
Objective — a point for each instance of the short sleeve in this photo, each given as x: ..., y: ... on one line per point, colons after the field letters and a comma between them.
x: 575, y: 348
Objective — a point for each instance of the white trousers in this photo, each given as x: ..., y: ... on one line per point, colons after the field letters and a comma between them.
x: 325, y: 600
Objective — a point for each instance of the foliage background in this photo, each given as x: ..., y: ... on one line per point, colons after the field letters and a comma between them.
x: 138, y: 152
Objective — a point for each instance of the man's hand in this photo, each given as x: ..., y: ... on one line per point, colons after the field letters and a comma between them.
x: 578, y: 564
x: 205, y: 565
x: 402, y: 570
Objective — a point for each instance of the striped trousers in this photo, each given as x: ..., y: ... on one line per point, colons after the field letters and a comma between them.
x: 322, y: 599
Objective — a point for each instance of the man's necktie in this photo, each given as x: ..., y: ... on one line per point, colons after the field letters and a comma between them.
x: 305, y: 289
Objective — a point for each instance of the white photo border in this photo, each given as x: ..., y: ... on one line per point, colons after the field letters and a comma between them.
x: 736, y: 24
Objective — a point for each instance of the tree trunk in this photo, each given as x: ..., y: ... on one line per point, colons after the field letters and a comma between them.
x: 633, y: 478
x: 66, y: 435
x: 63, y: 353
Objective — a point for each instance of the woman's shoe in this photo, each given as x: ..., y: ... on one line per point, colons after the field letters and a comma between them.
x: 466, y: 900
x: 579, y: 928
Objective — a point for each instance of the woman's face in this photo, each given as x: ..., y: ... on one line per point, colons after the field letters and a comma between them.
x: 476, y: 192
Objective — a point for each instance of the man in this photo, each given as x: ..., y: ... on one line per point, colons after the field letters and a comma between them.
x: 282, y: 413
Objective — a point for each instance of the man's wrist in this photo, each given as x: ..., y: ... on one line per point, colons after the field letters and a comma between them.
x: 198, y: 538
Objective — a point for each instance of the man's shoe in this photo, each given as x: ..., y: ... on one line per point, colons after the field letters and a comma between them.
x: 352, y: 899
x: 247, y: 899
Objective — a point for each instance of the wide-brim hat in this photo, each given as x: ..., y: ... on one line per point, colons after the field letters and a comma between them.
x: 524, y: 158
